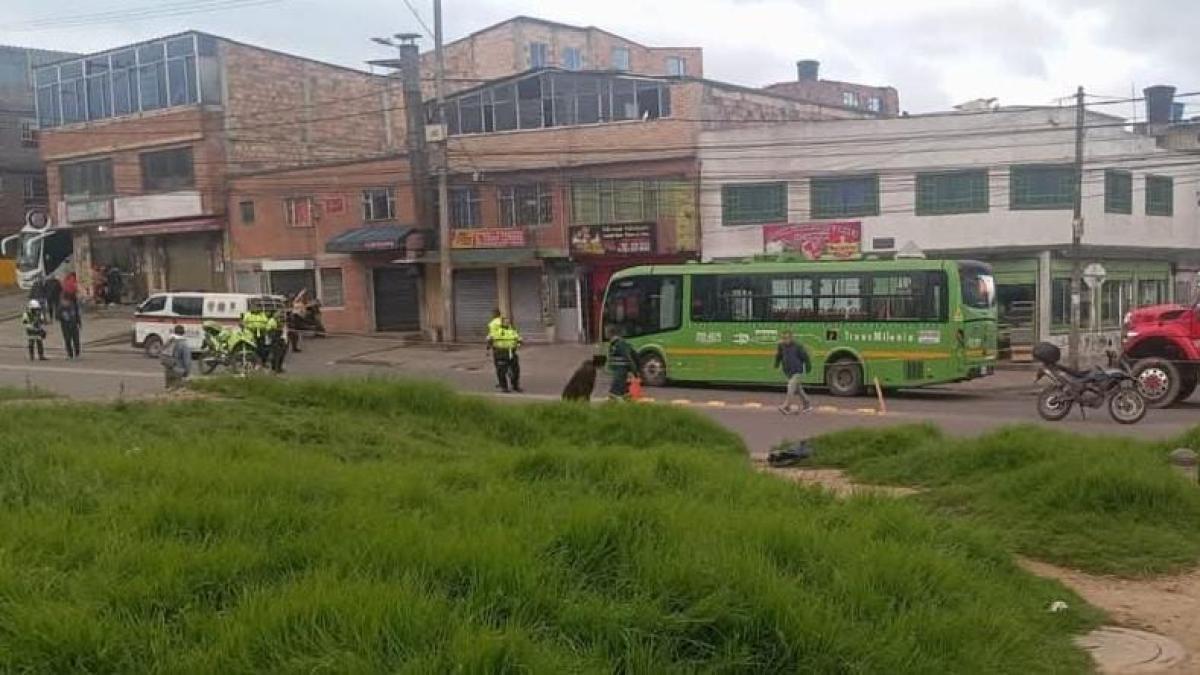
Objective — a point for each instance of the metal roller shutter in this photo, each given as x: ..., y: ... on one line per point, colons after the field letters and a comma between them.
x: 525, y: 290
x: 397, y: 300
x: 189, y: 263
x: 474, y: 302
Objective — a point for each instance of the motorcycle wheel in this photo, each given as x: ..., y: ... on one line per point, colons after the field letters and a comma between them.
x: 1127, y: 406
x: 209, y: 363
x: 1053, y: 404
x: 243, y: 362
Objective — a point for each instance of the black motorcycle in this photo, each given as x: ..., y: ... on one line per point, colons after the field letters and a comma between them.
x: 1094, y: 388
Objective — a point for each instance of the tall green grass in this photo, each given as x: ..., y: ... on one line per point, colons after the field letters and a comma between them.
x: 1100, y: 504
x: 382, y: 527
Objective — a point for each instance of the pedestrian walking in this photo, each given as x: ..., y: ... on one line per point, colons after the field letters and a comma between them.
x: 35, y: 329
x: 622, y: 363
x: 793, y: 359
x: 71, y: 319
x: 70, y: 287
x: 176, y: 359
x: 504, y: 356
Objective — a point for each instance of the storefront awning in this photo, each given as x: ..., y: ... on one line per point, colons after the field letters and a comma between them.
x: 165, y: 227
x: 369, y: 239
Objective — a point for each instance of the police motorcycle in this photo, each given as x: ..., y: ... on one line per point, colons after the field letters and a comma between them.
x: 1111, y: 386
x: 232, y: 349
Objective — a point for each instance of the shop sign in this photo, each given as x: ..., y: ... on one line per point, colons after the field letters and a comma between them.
x: 815, y: 241
x: 495, y: 237
x: 613, y: 239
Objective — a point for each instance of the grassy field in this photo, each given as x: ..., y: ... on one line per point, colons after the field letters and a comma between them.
x: 29, y: 393
x: 385, y: 527
x: 1100, y: 504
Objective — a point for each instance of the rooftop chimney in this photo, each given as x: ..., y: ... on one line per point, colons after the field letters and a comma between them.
x: 807, y: 69
x: 1158, y: 103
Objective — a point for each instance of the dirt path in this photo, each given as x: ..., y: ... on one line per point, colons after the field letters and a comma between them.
x: 1169, y: 606
x: 833, y: 480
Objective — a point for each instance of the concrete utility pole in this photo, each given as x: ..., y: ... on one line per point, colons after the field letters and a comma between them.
x: 1077, y: 235
x: 443, y: 190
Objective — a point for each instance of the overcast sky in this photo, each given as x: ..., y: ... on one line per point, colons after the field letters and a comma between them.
x: 936, y: 52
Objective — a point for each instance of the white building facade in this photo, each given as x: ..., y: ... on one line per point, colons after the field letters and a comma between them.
x: 996, y: 186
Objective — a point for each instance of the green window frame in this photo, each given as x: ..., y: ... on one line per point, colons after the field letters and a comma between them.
x: 946, y: 192
x: 751, y: 203
x: 1118, y: 191
x: 844, y: 197
x: 1042, y: 186
x: 1160, y: 196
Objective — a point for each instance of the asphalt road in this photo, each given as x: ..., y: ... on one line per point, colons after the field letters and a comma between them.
x: 106, y: 372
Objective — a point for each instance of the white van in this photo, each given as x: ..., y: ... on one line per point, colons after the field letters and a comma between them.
x: 156, y: 318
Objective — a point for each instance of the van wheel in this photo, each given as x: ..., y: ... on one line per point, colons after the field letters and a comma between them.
x: 844, y: 377
x: 1158, y: 381
x: 153, y: 346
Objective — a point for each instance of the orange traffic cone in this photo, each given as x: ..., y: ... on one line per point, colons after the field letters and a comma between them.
x: 635, y: 387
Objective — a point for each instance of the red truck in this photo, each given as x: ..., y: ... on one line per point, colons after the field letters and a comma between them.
x: 1163, y: 343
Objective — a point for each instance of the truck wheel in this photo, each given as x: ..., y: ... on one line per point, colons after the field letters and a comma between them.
x: 844, y: 377
x: 1158, y: 381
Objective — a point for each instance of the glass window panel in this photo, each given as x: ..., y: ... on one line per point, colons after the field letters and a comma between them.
x: 1118, y: 191
x: 153, y: 86
x: 587, y: 100
x: 624, y: 103
x: 472, y: 114
x: 181, y: 46
x: 529, y: 102
x: 844, y: 197
x: 504, y: 107
x: 1049, y: 186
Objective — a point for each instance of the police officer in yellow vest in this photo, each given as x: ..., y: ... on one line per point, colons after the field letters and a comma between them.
x: 257, y: 323
x: 504, y: 344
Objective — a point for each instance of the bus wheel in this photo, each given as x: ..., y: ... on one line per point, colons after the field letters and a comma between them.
x: 844, y: 377
x: 654, y: 370
x: 153, y: 346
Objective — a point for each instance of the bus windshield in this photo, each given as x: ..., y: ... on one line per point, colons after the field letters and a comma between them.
x: 643, y: 305
x: 30, y: 255
x: 978, y: 286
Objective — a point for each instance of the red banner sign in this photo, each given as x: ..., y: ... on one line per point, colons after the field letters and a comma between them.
x: 496, y: 237
x: 816, y: 241
x: 614, y: 239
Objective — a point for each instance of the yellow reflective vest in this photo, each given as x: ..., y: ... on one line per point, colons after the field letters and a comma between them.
x: 506, y: 338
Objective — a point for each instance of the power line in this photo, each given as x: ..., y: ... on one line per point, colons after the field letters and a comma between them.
x: 133, y: 14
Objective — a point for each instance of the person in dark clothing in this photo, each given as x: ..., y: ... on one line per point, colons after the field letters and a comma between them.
x: 35, y: 329
x: 71, y: 320
x: 622, y: 363
x: 583, y: 380
x: 793, y: 359
x: 503, y: 344
x: 277, y: 343
x: 115, y: 285
x: 53, y: 290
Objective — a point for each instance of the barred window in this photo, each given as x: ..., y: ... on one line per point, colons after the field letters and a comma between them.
x: 753, y: 203
x: 845, y: 197
x: 1043, y: 186
x: 952, y: 192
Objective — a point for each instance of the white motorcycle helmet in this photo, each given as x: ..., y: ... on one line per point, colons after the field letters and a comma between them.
x: 34, y: 304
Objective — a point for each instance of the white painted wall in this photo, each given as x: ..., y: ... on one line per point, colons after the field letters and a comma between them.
x: 898, y: 148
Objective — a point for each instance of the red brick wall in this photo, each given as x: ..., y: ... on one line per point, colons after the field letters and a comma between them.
x: 338, y: 191
x: 829, y: 92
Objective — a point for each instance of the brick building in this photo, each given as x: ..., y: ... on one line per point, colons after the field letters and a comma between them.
x: 22, y: 177
x: 140, y: 142
x: 808, y: 86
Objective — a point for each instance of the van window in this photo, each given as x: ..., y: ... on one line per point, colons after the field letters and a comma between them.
x: 156, y: 303
x: 221, y: 307
x: 185, y: 305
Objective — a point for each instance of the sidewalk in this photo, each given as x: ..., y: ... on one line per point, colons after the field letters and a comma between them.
x: 105, y: 327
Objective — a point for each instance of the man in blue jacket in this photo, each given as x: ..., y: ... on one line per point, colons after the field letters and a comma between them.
x: 792, y: 357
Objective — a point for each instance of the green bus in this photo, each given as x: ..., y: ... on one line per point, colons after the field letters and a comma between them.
x: 907, y: 322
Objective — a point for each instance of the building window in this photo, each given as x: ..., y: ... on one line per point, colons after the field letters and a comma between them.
x: 524, y: 205
x: 875, y: 104
x: 1151, y: 292
x: 572, y: 58
x: 952, y: 192
x: 29, y: 133
x: 464, y: 207
x: 152, y: 76
x: 844, y: 197
x: 599, y: 202
x: 167, y: 170
x: 379, y: 204
x: 86, y: 180
x: 181, y: 71
x: 849, y: 99
x: 1060, y: 305
x: 676, y: 66
x: 620, y: 58
x: 1118, y: 191
x: 1116, y: 297
x: 247, y: 210
x: 1042, y: 186
x: 297, y: 211
x: 34, y: 190
x: 1160, y: 196
x: 753, y: 203
x: 332, y: 293
x: 539, y: 55
x: 555, y: 100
